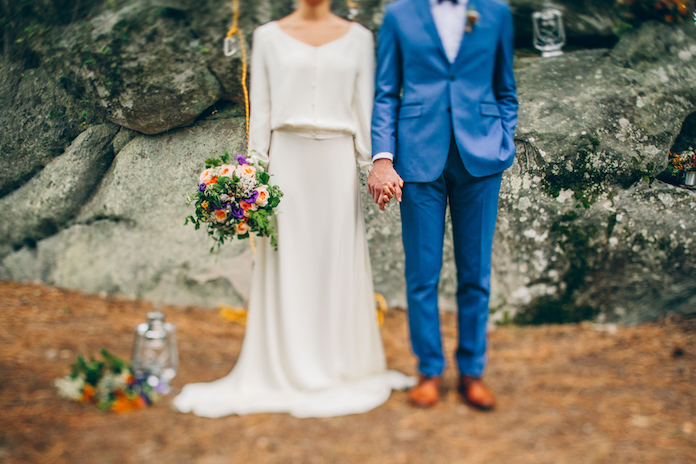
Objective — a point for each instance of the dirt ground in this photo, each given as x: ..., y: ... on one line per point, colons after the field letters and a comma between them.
x: 567, y: 394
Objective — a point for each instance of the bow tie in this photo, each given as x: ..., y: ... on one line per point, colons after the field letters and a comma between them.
x: 453, y: 1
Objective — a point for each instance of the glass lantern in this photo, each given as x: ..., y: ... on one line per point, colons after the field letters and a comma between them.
x: 231, y: 45
x: 155, y: 357
x: 549, y: 33
x: 690, y: 178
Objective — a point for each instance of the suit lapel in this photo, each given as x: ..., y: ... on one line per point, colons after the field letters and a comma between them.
x: 471, y: 5
x: 426, y: 16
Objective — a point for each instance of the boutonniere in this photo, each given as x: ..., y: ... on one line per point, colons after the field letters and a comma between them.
x: 472, y: 18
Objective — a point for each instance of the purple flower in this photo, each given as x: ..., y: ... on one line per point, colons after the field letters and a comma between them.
x: 252, y: 198
x: 201, y: 188
x: 241, y: 159
x: 236, y: 211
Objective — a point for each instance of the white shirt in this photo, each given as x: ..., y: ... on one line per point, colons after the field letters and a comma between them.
x: 450, y: 22
x: 296, y: 86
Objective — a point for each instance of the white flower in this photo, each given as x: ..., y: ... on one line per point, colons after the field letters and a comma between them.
x: 70, y: 388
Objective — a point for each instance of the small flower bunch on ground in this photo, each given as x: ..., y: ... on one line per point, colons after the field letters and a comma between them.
x: 668, y: 11
x: 109, y: 384
x: 680, y: 163
x: 235, y: 199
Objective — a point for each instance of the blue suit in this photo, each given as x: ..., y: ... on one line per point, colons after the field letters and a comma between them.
x: 451, y: 128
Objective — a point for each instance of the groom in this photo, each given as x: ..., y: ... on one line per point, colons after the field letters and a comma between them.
x: 442, y: 131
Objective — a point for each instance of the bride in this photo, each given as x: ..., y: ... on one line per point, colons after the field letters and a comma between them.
x: 312, y: 346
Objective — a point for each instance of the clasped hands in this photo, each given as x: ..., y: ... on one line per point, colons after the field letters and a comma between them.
x: 384, y: 183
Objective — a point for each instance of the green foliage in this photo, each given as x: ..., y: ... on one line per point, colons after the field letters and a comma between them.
x: 584, y: 180
x: 644, y: 173
x: 635, y: 12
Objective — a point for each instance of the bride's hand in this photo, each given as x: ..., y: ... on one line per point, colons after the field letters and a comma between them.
x: 384, y: 183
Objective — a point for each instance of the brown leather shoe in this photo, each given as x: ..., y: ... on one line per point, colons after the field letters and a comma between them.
x: 427, y: 392
x: 476, y: 393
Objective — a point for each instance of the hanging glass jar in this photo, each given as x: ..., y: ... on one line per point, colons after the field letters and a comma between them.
x: 155, y: 357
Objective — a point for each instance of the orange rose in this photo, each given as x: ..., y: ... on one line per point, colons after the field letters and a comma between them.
x: 242, y: 228
x: 226, y: 170
x: 245, y: 206
x: 206, y: 176
x: 221, y: 215
x: 246, y: 170
x: 262, y: 199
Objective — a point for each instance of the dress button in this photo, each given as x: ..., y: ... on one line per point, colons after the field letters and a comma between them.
x: 452, y: 78
x: 449, y: 109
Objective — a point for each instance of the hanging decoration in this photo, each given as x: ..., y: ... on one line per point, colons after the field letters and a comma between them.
x: 352, y: 9
x: 234, y: 42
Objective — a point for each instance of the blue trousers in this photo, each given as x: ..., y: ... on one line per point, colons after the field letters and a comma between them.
x: 473, y: 207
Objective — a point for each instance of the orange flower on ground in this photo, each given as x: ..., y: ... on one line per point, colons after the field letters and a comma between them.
x: 124, y: 404
x: 87, y: 393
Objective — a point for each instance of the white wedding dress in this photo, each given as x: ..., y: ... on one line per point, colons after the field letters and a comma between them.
x: 312, y: 346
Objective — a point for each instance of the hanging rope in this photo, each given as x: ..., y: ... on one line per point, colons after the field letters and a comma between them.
x: 242, y: 45
x: 235, y: 30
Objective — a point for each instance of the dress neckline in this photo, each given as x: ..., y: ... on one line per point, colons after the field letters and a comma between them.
x: 337, y: 39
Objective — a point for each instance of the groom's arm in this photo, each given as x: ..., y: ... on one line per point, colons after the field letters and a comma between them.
x: 387, y: 88
x: 383, y: 178
x: 504, y: 81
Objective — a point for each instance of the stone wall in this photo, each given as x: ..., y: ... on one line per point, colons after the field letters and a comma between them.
x: 107, y: 119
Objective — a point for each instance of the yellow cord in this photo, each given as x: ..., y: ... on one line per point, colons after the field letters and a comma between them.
x: 232, y: 314
x: 239, y: 315
x: 242, y: 44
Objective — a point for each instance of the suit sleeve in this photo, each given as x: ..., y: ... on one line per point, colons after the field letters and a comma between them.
x: 387, y: 87
x: 363, y: 100
x: 260, y: 102
x: 504, y: 81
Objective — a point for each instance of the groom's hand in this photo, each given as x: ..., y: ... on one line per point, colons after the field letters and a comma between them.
x: 384, y: 183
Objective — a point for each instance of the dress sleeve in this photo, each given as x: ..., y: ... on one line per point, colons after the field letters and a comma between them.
x: 259, y: 101
x: 363, y: 99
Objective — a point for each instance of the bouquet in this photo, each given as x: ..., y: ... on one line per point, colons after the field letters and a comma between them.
x: 234, y: 199
x: 682, y: 162
x: 109, y: 384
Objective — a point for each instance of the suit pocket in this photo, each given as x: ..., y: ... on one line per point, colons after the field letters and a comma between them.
x: 412, y: 110
x: 490, y: 109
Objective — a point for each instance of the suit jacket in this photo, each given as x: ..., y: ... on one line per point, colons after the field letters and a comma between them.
x: 421, y: 99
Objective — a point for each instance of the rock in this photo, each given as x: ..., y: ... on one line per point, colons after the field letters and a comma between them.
x: 39, y: 120
x: 628, y: 257
x: 141, y: 64
x: 129, y: 238
x: 43, y: 205
x: 579, y: 234
x: 606, y: 123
